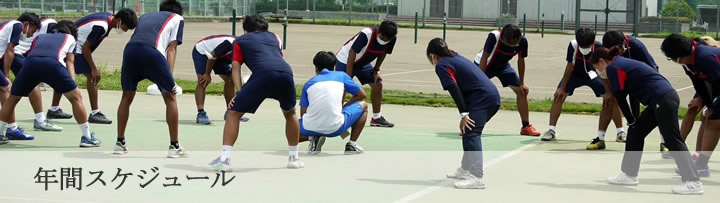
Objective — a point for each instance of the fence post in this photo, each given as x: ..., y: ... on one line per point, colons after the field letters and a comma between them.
x: 416, y: 26
x: 285, y: 25
x: 595, y: 23
x: 562, y: 20
x: 19, y: 7
x: 423, y: 13
x: 444, y: 25
x: 234, y: 17
x: 524, y: 23
x: 314, y: 12
x: 542, y: 26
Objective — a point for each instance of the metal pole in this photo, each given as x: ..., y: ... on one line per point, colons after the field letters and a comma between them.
x: 462, y: 13
x: 538, y: 15
x: 577, y: 15
x: 661, y: 23
x: 234, y: 22
x: 562, y: 20
x: 83, y: 6
x: 285, y: 25
x: 444, y: 25
x: 677, y: 20
x: 524, y: 23
x: 595, y: 23
x: 372, y: 6
x: 542, y: 25
x: 105, y: 5
x: 350, y: 16
x: 19, y: 7
x: 636, y: 17
x: 190, y: 13
x: 142, y: 7
x: 307, y: 5
x: 314, y: 12
x: 423, y: 12
x: 387, y: 8
x: 416, y: 26
x: 42, y: 6
x: 63, y: 6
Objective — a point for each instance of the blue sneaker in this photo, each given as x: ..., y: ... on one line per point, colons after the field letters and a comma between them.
x: 89, y: 142
x: 242, y: 119
x: 18, y: 134
x: 202, y: 118
x: 3, y: 139
x: 702, y: 173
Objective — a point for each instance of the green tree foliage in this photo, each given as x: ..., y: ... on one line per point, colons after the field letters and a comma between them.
x: 678, y: 8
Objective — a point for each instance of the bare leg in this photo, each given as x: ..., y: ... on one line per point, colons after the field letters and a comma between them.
x: 617, y: 116
x: 556, y: 109
x: 123, y: 112
x: 75, y: 98
x: 171, y: 115
x: 8, y: 107
x: 700, y: 134
x: 229, y: 90
x: 522, y: 103
x: 232, y: 127
x: 92, y: 90
x: 606, y: 114
x: 357, y: 128
x: 376, y: 96
x: 36, y: 100
x: 56, y: 99
x: 199, y: 95
x: 688, y: 122
x: 292, y: 127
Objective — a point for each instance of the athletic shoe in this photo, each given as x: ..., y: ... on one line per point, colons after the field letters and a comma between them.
x: 59, y: 114
x: 621, y: 137
x: 47, y: 125
x: 217, y: 165
x: 381, y: 122
x: 3, y: 139
x: 702, y: 173
x: 120, y: 148
x: 295, y: 163
x: 596, y: 144
x: 460, y: 173
x: 90, y: 142
x: 242, y: 119
x: 548, y: 136
x: 623, y: 179
x: 202, y: 118
x: 178, y: 152
x: 99, y: 118
x: 665, y: 152
x: 352, y: 150
x: 530, y: 131
x: 316, y: 143
x: 18, y: 134
x: 471, y: 182
x: 689, y: 188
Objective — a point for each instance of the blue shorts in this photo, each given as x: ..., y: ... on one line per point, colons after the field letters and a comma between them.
x: 262, y: 85
x: 42, y: 69
x: 574, y: 82
x: 145, y: 62
x: 366, y: 74
x: 15, y: 68
x: 81, y: 65
x: 507, y: 76
x: 222, y: 65
x: 352, y: 114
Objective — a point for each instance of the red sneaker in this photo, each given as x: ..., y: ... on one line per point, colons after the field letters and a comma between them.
x: 530, y: 131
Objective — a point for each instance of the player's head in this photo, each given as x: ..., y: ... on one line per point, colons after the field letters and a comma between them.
x: 125, y: 19
x: 602, y: 57
x: 324, y: 60
x: 585, y: 37
x: 65, y: 26
x: 171, y: 6
x: 388, y: 31
x: 437, y: 49
x: 615, y: 38
x: 707, y: 40
x: 31, y: 22
x: 677, y: 48
x: 511, y: 35
x: 255, y: 23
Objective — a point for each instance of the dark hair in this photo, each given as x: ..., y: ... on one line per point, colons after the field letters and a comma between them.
x: 32, y: 18
x: 511, y: 34
x: 676, y: 45
x: 128, y: 17
x: 613, y: 38
x: 585, y: 36
x: 324, y: 60
x: 171, y: 6
x: 67, y: 27
x: 254, y: 23
x: 388, y: 29
x: 438, y: 47
x: 604, y: 53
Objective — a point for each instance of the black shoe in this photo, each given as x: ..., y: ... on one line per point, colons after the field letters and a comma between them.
x: 316, y: 143
x: 99, y: 118
x: 350, y: 150
x: 381, y: 122
x: 59, y: 114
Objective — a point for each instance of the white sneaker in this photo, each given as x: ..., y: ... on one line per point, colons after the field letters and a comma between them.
x: 689, y: 188
x: 460, y: 173
x: 217, y: 165
x: 623, y: 179
x: 179, y: 152
x: 295, y: 163
x: 621, y: 137
x: 471, y: 182
x: 548, y: 136
x: 120, y: 148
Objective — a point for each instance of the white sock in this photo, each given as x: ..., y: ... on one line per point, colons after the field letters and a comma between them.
x: 552, y: 127
x: 40, y: 117
x: 3, y: 124
x: 620, y: 130
x: 93, y: 112
x: 54, y: 108
x: 85, y: 129
x: 226, y: 151
x: 352, y: 143
x: 12, y: 126
x: 376, y: 115
x: 601, y: 134
x: 293, y: 151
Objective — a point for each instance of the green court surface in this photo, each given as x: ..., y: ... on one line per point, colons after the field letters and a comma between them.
x: 402, y: 164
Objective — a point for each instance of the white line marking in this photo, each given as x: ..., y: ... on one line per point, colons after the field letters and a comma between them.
x: 684, y: 88
x: 446, y: 183
x: 406, y: 72
x: 37, y: 200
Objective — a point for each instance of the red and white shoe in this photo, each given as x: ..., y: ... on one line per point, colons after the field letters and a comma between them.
x: 530, y: 131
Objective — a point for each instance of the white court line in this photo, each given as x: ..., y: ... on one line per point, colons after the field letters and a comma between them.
x: 684, y: 88
x: 37, y: 200
x: 446, y: 183
x: 406, y: 72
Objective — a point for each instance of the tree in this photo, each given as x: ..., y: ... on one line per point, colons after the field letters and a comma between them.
x: 678, y: 8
